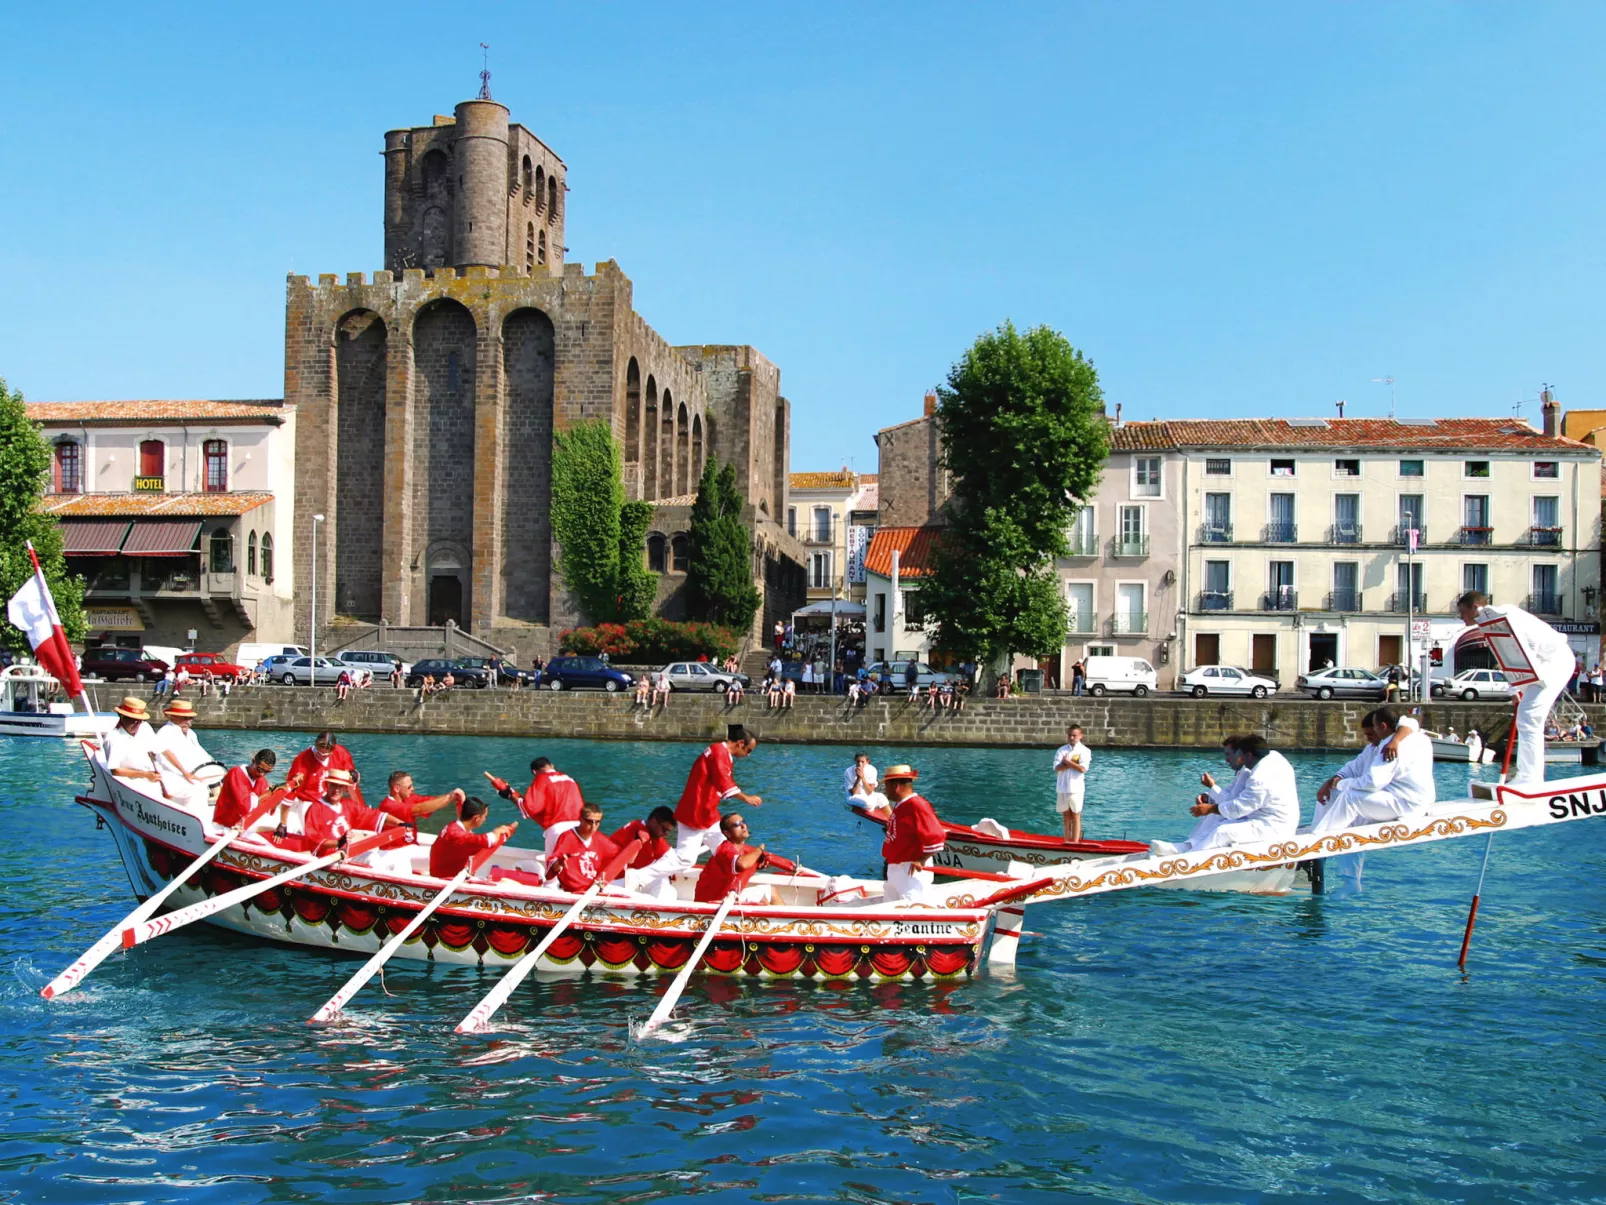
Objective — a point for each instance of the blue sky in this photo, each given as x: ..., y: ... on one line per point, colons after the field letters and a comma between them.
x: 1235, y: 210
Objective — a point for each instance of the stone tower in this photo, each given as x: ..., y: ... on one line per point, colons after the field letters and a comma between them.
x: 473, y: 190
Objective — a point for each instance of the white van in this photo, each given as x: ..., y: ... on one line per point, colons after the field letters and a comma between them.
x: 1131, y: 675
x: 251, y: 655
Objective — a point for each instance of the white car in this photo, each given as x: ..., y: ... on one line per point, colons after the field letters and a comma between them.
x: 1225, y: 680
x: 1475, y: 684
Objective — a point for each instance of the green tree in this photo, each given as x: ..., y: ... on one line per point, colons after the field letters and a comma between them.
x: 1022, y: 427
x: 24, y: 475
x: 599, y: 534
x: 719, y: 580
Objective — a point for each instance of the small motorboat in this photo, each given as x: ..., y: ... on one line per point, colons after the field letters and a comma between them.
x: 1454, y: 749
x: 32, y: 704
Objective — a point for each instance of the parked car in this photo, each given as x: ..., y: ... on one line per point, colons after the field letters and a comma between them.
x: 118, y: 664
x: 896, y: 674
x: 1225, y: 680
x: 700, y: 675
x: 299, y: 671
x: 252, y: 654
x: 1132, y: 675
x: 1337, y: 683
x: 376, y: 662
x: 208, y: 665
x: 1475, y: 684
x: 439, y: 667
x: 572, y: 673
x: 505, y: 672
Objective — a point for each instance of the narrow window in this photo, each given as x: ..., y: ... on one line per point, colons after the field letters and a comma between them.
x: 552, y: 198
x: 1147, y: 480
x: 657, y: 546
x: 251, y: 554
x: 152, y: 464
x: 540, y: 247
x: 680, y: 554
x: 267, y: 557
x: 69, y: 468
x: 216, y: 452
x: 454, y: 372
x: 527, y: 179
x: 222, y: 548
x: 1546, y: 598
x: 1475, y: 577
x: 540, y: 189
x: 529, y: 247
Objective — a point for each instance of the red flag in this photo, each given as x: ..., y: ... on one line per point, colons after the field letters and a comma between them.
x: 34, y: 611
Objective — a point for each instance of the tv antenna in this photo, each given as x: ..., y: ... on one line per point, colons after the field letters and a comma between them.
x: 485, y: 71
x: 1389, y: 381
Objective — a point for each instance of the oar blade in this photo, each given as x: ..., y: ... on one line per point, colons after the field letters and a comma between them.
x: 478, y: 1018
x: 670, y: 998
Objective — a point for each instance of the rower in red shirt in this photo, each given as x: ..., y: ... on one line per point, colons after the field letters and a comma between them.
x: 407, y: 807
x: 329, y: 821
x: 310, y: 765
x: 656, y: 864
x: 457, y: 843
x: 913, y: 835
x: 552, y: 799
x: 580, y: 853
x: 710, y: 783
x: 243, y: 788
x: 734, y: 863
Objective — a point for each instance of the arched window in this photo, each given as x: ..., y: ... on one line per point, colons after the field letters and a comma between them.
x: 552, y: 198
x: 152, y: 465
x: 216, y: 452
x: 222, y: 558
x: 656, y: 548
x: 69, y: 468
x: 680, y: 553
x: 267, y: 556
x: 540, y: 247
x: 540, y: 189
x: 527, y: 178
x: 529, y: 247
x: 251, y: 554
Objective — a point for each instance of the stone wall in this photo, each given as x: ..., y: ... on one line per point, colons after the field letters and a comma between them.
x: 1032, y: 722
x: 909, y: 481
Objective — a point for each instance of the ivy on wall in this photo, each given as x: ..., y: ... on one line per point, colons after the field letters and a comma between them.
x: 599, y: 534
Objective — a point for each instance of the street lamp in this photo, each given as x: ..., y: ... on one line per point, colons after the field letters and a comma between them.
x: 312, y: 640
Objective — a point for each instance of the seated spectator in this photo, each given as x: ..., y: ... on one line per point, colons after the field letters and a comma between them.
x: 854, y: 691
x: 1002, y: 692
x: 772, y: 692
x: 395, y: 675
x: 643, y: 691
x: 733, y: 693
x: 661, y: 687
x: 448, y: 680
x: 788, y: 693
x: 343, y: 686
x: 427, y: 686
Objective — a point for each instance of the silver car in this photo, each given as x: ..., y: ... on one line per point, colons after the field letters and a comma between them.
x: 1343, y: 684
x: 1475, y: 684
x: 298, y: 671
x: 698, y: 675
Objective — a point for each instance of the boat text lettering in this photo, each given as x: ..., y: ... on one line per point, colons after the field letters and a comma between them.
x: 157, y: 821
x: 1564, y: 807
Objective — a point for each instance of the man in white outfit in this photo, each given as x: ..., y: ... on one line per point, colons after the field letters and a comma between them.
x: 1071, y: 764
x: 1233, y: 756
x: 860, y: 779
x: 1552, y: 660
x: 1264, y: 808
x: 179, y: 754
x: 1373, y: 786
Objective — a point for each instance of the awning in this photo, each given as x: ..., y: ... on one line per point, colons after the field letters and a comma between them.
x: 163, y: 537
x: 94, y: 537
x: 844, y: 609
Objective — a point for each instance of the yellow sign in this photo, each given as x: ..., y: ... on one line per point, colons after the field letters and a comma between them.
x: 150, y: 484
x: 113, y: 619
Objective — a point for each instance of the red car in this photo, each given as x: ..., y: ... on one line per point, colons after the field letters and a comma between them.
x: 208, y: 665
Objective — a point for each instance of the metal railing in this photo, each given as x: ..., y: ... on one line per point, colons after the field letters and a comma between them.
x: 1398, y: 535
x: 1282, y: 598
x: 1401, y: 602
x: 1080, y: 623
x: 1475, y: 535
x: 1281, y: 533
x: 1214, y: 600
x: 1344, y: 600
x: 1129, y: 623
x: 1544, y: 537
x: 1215, y: 533
x: 1129, y: 546
x: 1083, y: 543
x: 1544, y: 604
x: 1344, y: 533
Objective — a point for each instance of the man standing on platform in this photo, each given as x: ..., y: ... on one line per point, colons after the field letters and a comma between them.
x: 1071, y: 763
x: 913, y: 835
x: 552, y: 800
x: 709, y: 784
x: 1551, y: 659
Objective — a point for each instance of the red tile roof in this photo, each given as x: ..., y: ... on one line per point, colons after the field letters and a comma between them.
x: 843, y: 480
x: 105, y: 413
x: 915, y: 547
x: 1445, y: 434
x: 91, y: 506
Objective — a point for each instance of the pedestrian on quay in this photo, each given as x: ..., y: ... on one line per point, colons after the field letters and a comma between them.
x: 1072, y: 760
x: 780, y: 634
x: 1078, y: 676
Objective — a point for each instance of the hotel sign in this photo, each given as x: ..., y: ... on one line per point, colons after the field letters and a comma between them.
x: 153, y: 485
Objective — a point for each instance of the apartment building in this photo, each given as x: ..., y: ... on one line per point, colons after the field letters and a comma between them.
x: 826, y: 514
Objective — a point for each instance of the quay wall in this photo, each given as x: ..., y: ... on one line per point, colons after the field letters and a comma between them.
x: 1033, y: 721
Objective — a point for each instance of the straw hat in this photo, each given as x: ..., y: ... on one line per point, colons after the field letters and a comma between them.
x: 341, y: 778
x: 132, y: 708
x: 181, y: 709
x: 899, y: 773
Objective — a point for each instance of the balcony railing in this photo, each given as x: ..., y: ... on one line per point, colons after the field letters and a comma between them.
x: 1544, y: 537
x: 1216, y: 533
x: 1281, y: 533
x: 1215, y: 600
x: 1129, y: 546
x: 1282, y: 598
x: 1544, y: 604
x: 1344, y: 600
x: 1344, y: 533
x: 1400, y: 602
x: 1399, y: 535
x: 1129, y: 623
x: 1475, y: 535
x: 1083, y: 543
x: 1077, y: 621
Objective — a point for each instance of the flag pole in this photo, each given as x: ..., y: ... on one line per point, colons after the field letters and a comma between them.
x: 44, y: 588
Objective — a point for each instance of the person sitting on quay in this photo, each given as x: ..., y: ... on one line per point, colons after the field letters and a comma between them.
x: 772, y: 693
x: 788, y: 694
x: 458, y: 842
x: 661, y: 688
x: 448, y: 680
x: 129, y: 749
x: 709, y: 783
x: 243, y: 788
x: 854, y: 691
x: 656, y: 863
x: 395, y: 675
x: 643, y: 697
x: 1391, y: 778
x: 580, y: 853
x: 408, y: 807
x: 1001, y: 691
x: 732, y: 867
x: 343, y: 686
x: 914, y: 835
x: 1264, y: 808
x: 733, y: 692
x: 179, y: 754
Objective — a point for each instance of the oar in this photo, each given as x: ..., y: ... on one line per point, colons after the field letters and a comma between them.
x: 97, y: 953
x: 479, y: 1016
x: 144, y: 930
x: 1472, y: 913
x: 672, y: 996
x: 352, y: 986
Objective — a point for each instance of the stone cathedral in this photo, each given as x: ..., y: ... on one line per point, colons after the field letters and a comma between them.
x: 427, y: 398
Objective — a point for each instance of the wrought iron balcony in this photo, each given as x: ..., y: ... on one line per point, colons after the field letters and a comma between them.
x: 1083, y: 543
x: 1129, y: 546
x: 1344, y: 533
x: 1344, y: 600
x: 1081, y: 622
x: 1281, y: 533
x: 1215, y: 600
x: 1544, y: 537
x: 1544, y: 604
x: 1215, y: 533
x: 1475, y: 535
x: 1283, y: 598
x: 1399, y: 536
x: 1401, y: 602
x: 1129, y: 623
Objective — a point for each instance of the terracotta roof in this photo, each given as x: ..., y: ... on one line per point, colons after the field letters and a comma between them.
x: 869, y: 495
x: 91, y: 506
x: 1444, y: 434
x: 822, y: 481
x: 915, y: 547
x: 155, y: 411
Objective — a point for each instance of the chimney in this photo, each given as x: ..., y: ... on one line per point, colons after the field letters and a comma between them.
x: 1340, y: 405
x: 931, y: 402
x: 1550, y: 408
x: 1117, y: 414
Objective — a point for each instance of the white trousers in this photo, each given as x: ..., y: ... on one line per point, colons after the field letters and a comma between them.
x: 551, y: 834
x: 690, y: 842
x: 1347, y: 809
x: 1532, y: 712
x: 656, y: 878
x: 907, y: 884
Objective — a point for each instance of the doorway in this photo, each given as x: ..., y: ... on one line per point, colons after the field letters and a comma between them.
x: 1263, y: 654
x: 1388, y: 651
x: 1206, y: 648
x: 445, y: 600
x: 1323, y: 649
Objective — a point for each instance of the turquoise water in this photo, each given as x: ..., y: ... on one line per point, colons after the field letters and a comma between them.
x: 1151, y: 1046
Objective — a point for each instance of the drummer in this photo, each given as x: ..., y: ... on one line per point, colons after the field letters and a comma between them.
x: 913, y: 835
x: 179, y: 754
x: 130, y: 746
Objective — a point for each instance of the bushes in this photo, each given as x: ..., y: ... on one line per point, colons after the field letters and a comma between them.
x: 649, y: 641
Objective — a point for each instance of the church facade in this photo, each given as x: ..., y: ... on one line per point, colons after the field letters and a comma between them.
x: 428, y: 397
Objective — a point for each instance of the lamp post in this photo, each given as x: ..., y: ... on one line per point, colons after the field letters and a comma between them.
x: 312, y: 639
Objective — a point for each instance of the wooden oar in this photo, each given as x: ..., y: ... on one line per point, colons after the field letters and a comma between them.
x: 97, y: 953
x: 672, y: 996
x: 482, y: 1012
x: 332, y: 1007
x: 1472, y: 913
x: 144, y: 930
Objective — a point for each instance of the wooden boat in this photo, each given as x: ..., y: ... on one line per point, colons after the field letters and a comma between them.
x: 31, y: 705
x: 820, y: 928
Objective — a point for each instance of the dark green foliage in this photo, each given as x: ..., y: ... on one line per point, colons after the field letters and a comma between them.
x: 651, y: 641
x: 719, y: 580
x: 1022, y: 425
x: 590, y: 518
x: 24, y: 476
x: 638, y: 586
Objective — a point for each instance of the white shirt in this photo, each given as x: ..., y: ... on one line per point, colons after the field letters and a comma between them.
x: 1547, y: 649
x: 130, y: 751
x: 185, y: 746
x: 1069, y: 781
x: 1409, y: 777
x: 1231, y: 791
x: 1271, y: 796
x: 850, y: 779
